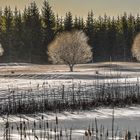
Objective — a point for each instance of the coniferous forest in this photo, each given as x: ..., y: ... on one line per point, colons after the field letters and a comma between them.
x: 25, y: 35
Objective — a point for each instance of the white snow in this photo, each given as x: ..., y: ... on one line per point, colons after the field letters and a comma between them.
x: 125, y: 118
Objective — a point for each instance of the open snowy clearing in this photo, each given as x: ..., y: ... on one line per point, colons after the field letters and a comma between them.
x: 125, y: 119
x: 25, y: 76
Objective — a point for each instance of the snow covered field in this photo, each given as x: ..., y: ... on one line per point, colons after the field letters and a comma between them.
x: 24, y: 76
x: 125, y: 119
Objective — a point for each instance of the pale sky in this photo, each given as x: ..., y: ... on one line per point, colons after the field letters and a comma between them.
x: 81, y: 7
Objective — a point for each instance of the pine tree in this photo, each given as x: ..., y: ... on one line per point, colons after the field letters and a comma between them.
x: 1, y: 31
x: 36, y: 34
x: 112, y: 38
x: 8, y: 33
x: 17, y: 35
x: 27, y: 36
x: 48, y: 26
x: 59, y: 24
x: 90, y: 30
x: 137, y: 24
x: 81, y: 24
x: 130, y: 35
x: 68, y: 22
x: 124, y: 28
x: 76, y: 24
x: 90, y: 23
x: 1, y: 24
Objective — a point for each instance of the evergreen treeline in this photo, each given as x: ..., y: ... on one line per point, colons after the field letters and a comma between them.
x: 26, y: 35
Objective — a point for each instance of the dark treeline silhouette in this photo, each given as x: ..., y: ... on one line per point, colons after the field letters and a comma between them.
x: 26, y: 35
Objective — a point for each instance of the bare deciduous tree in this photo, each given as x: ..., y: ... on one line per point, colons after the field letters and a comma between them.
x: 136, y: 47
x: 70, y: 48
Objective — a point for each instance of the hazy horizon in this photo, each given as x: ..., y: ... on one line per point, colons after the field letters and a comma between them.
x: 81, y: 7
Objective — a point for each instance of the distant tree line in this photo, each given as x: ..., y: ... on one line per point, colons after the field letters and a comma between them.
x: 26, y: 35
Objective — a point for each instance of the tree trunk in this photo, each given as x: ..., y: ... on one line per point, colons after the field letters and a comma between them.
x: 71, y: 68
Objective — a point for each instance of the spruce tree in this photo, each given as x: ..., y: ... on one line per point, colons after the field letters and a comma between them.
x: 124, y: 28
x: 137, y: 24
x: 36, y: 35
x: 18, y: 35
x: 68, y: 22
x: 81, y: 24
x: 48, y: 26
x: 25, y: 37
x: 130, y: 35
x: 59, y: 24
x: 90, y: 30
x: 76, y: 26
x: 112, y: 38
x: 27, y: 34
x: 7, y: 33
